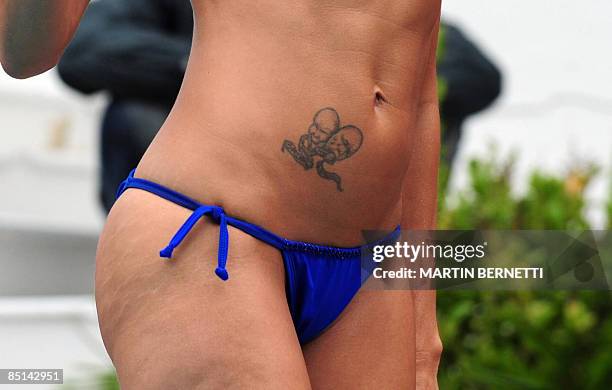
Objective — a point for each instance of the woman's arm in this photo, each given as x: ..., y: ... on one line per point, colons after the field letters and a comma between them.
x: 419, y: 204
x: 34, y: 33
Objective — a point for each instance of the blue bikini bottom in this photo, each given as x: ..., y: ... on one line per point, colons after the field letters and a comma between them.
x: 320, y: 280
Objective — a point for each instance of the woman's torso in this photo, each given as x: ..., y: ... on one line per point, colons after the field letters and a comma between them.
x: 258, y: 73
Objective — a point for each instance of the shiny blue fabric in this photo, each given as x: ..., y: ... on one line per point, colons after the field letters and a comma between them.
x: 320, y: 280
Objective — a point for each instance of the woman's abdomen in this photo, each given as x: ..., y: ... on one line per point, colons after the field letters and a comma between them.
x: 303, y: 138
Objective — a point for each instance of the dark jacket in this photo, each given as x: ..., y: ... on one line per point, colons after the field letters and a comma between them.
x: 134, y: 49
x: 473, y: 81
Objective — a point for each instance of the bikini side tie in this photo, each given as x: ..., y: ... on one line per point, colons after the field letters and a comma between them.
x: 218, y: 215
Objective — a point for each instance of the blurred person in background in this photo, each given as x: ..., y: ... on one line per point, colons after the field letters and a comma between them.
x: 470, y: 80
x: 137, y: 51
x: 140, y: 60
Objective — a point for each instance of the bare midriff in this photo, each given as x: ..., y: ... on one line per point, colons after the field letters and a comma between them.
x: 257, y: 75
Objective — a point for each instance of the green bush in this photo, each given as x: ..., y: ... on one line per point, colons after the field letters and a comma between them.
x: 523, y: 339
x: 94, y: 380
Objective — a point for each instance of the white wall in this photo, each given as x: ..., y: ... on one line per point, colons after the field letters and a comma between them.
x: 48, y: 154
x: 49, y: 221
x: 556, y: 107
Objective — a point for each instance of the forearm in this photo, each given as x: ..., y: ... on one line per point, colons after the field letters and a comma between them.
x: 419, y: 204
x: 420, y: 215
x: 428, y: 343
x: 34, y: 33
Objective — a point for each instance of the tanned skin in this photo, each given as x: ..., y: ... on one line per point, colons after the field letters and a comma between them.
x: 34, y: 33
x: 244, y: 135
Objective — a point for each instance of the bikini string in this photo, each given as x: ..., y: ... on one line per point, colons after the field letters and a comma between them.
x: 218, y: 215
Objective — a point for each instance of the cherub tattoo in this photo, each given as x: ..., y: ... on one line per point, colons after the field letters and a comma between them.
x: 327, y: 139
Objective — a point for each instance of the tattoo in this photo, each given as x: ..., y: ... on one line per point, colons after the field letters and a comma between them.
x: 326, y: 139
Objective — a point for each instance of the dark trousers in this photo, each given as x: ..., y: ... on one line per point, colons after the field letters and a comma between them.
x: 128, y: 127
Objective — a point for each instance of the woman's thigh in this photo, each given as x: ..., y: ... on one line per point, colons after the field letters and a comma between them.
x: 172, y: 324
x: 370, y: 346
